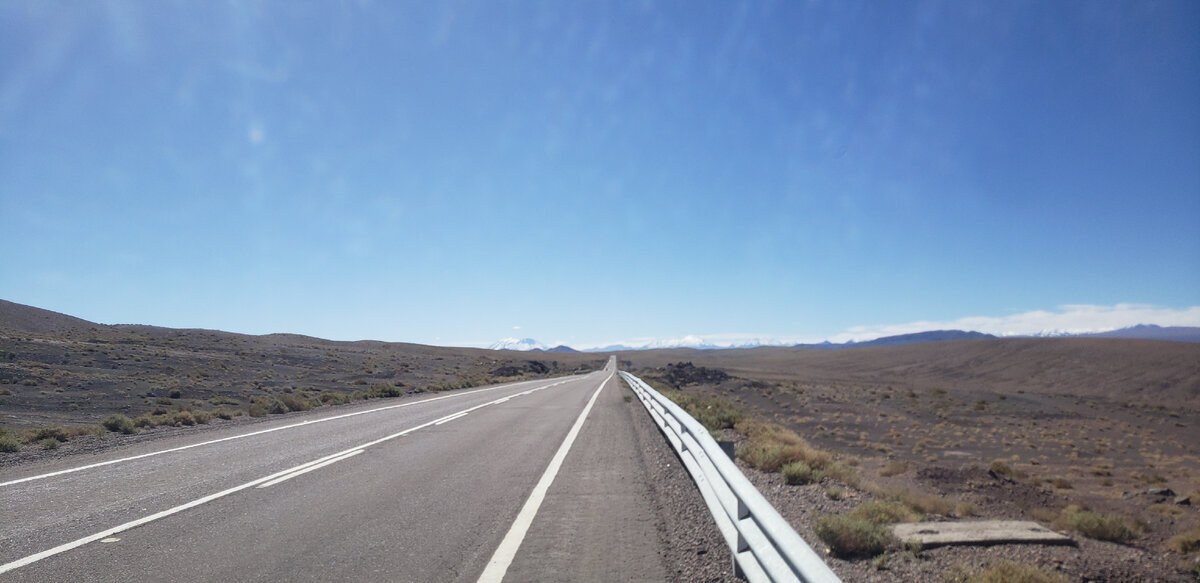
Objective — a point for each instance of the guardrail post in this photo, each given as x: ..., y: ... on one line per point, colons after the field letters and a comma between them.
x: 727, y: 447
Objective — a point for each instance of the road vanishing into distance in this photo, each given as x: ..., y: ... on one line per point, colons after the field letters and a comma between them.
x: 536, y: 480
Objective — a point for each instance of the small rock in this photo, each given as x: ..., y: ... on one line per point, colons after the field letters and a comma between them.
x: 1160, y: 492
x: 1183, y: 500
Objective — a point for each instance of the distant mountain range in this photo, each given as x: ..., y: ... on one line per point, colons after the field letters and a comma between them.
x: 1141, y: 331
x: 528, y: 344
x: 914, y: 338
x: 1152, y: 332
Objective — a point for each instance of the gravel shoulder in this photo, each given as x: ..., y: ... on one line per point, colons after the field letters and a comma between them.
x: 693, y: 550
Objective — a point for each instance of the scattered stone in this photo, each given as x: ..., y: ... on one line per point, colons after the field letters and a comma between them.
x: 979, y: 532
x: 1160, y: 492
x: 1183, y: 500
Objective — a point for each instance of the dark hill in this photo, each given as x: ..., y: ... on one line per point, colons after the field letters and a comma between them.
x: 22, y: 318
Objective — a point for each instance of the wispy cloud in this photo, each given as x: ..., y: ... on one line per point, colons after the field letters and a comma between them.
x: 1071, y: 319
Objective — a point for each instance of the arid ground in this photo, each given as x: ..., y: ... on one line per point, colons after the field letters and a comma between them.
x: 1012, y: 428
x: 56, y: 370
x: 999, y: 428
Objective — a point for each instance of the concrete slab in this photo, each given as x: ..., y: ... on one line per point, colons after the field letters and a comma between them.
x: 979, y: 532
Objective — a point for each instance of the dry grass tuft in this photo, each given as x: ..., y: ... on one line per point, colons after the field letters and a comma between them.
x: 849, y: 537
x: 119, y: 424
x: 918, y: 502
x: 1004, y: 572
x: 1106, y: 527
x: 885, y: 512
x: 769, y: 448
x: 1186, y: 542
x: 893, y: 469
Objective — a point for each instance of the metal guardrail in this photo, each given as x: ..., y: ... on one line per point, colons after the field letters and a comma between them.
x: 764, y: 545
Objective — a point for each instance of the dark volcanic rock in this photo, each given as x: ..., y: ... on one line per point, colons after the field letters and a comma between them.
x: 681, y: 374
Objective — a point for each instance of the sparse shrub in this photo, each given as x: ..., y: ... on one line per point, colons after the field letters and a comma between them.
x: 835, y: 493
x: 223, y: 400
x: 201, y: 416
x: 850, y: 537
x: 276, y: 407
x: 1062, y: 483
x: 223, y: 413
x: 78, y: 430
x: 881, y: 512
x: 9, y: 444
x: 119, y: 424
x: 1005, y: 572
x: 769, y: 447
x: 295, y: 403
x: 182, y: 418
x: 964, y: 509
x: 332, y: 398
x: 1107, y: 527
x: 49, y: 432
x: 766, y: 456
x: 1186, y: 542
x: 1000, y: 468
x: 175, y: 394
x: 1047, y: 515
x: 50, y: 443
x: 918, y: 502
x: 800, y: 473
x: 381, y: 390
x: 893, y: 469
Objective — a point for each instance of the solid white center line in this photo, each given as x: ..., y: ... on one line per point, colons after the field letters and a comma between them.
x: 507, y: 551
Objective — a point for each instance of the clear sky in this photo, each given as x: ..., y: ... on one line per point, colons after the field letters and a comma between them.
x: 602, y: 171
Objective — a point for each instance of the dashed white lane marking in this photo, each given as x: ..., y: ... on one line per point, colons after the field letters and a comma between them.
x: 455, y: 416
x: 251, y: 434
x: 507, y: 551
x: 266, y: 480
x: 310, y: 468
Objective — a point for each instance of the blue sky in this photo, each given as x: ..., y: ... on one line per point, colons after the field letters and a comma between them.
x: 599, y: 172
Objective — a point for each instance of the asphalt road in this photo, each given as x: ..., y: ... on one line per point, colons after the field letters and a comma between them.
x: 530, y: 481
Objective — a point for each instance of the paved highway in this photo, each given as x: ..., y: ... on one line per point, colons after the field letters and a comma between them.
x: 537, y: 480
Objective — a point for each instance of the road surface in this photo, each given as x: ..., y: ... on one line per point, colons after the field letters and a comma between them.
x: 538, y: 480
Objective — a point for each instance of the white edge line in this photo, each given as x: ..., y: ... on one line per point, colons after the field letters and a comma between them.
x: 507, y: 551
x: 251, y: 434
x: 206, y: 499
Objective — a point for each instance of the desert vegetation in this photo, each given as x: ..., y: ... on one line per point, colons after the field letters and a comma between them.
x: 970, y: 429
x: 63, y: 378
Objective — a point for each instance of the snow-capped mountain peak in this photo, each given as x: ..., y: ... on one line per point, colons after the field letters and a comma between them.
x: 518, y: 344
